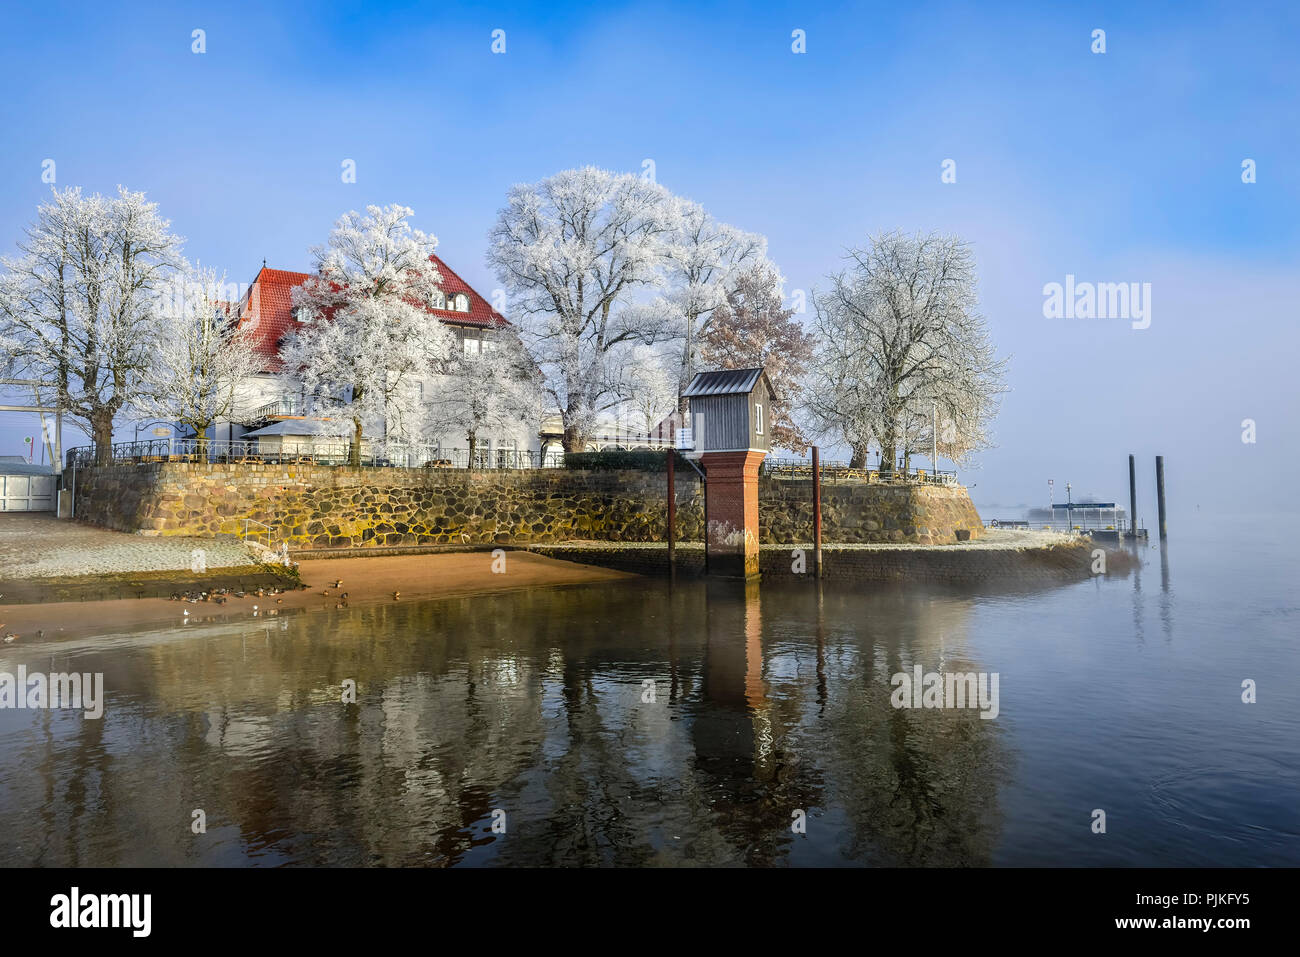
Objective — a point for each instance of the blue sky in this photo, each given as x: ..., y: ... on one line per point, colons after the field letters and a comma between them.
x: 1115, y: 167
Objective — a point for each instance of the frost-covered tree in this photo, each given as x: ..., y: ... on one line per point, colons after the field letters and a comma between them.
x: 898, y: 333
x: 79, y: 306
x: 705, y: 260
x: 485, y: 392
x: 574, y: 250
x: 200, y: 369
x: 365, y: 335
x: 752, y: 328
x: 649, y: 385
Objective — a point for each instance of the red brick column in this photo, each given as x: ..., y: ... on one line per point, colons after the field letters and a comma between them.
x: 731, y: 498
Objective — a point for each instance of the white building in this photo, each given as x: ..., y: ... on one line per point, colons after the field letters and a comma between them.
x: 279, y: 423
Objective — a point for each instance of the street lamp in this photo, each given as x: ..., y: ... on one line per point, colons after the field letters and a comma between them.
x: 143, y: 425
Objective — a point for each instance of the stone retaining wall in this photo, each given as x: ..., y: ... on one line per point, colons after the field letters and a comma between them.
x: 860, y: 513
x: 1068, y: 561
x: 314, y: 507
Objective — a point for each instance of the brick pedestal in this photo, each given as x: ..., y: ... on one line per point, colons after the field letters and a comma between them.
x: 731, y: 494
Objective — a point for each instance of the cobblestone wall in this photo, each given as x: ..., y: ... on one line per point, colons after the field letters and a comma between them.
x: 857, y: 513
x: 323, y: 507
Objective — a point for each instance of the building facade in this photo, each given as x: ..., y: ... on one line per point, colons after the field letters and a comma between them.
x: 278, y: 420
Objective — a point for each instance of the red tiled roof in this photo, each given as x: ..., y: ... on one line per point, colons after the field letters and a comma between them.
x: 267, y: 311
x: 480, y: 312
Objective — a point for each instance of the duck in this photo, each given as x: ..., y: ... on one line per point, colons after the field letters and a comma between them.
x: 9, y: 638
x: 396, y: 595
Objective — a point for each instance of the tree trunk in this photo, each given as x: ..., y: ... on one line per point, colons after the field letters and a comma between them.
x: 858, y: 460
x: 887, y: 452
x: 573, y: 439
x: 101, y: 427
x: 200, y: 430
x: 472, y: 439
x: 354, y: 453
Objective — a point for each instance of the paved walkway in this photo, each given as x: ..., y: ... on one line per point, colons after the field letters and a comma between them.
x: 38, y: 545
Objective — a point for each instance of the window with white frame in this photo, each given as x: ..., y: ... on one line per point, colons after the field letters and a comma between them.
x: 438, y: 300
x: 461, y: 302
x: 758, y: 419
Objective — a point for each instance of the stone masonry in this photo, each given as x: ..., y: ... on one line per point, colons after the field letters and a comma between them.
x: 316, y: 507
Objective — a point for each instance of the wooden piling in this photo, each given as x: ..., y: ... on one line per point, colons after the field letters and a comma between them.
x: 817, y: 512
x: 1132, y: 498
x: 672, y: 510
x: 1160, y: 495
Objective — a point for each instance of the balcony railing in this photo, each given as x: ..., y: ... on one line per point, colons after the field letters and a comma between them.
x: 283, y: 407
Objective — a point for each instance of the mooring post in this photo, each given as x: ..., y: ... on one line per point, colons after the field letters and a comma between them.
x: 1160, y: 495
x: 817, y: 512
x: 672, y: 510
x: 1132, y: 499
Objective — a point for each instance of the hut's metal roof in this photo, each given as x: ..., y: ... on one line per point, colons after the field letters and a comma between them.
x: 723, y: 382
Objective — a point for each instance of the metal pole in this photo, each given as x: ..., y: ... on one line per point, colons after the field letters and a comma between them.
x: 1160, y: 495
x: 1132, y: 498
x: 934, y: 442
x: 672, y: 510
x: 817, y: 512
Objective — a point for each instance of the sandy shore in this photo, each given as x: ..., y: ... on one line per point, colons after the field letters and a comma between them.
x: 363, y: 580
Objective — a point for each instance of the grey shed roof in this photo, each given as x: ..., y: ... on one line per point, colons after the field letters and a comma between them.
x: 9, y: 467
x: 723, y: 382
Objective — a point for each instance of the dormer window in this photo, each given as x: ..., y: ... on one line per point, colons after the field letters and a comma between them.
x: 438, y: 300
x: 460, y: 302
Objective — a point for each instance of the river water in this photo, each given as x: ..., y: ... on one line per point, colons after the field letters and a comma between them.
x: 703, y: 724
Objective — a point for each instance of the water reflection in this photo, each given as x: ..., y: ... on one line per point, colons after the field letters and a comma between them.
x: 536, y: 704
x: 765, y: 702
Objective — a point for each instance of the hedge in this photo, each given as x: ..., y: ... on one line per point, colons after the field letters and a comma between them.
x: 641, y: 460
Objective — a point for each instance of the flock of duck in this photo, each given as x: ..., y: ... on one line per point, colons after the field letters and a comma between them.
x: 219, y: 596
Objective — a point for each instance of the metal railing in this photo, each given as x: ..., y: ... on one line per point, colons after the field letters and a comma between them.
x: 1083, y: 523
x: 840, y: 472
x: 285, y: 406
x: 253, y: 452
x: 267, y: 532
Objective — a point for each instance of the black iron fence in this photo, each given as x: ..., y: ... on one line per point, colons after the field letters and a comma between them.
x: 840, y: 472
x: 395, y: 455
x: 256, y: 452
